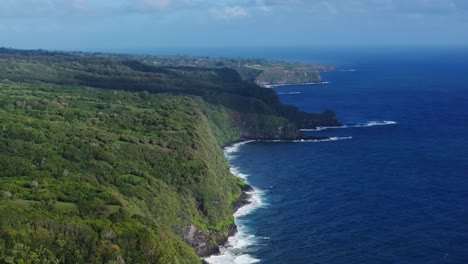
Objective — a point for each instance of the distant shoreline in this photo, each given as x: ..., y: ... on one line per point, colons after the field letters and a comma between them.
x: 290, y: 84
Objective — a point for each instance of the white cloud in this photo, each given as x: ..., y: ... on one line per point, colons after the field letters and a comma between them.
x: 82, y: 5
x: 151, y: 5
x: 289, y: 2
x: 35, y: 8
x: 264, y: 8
x: 235, y: 11
x: 158, y: 5
x: 229, y: 12
x: 425, y: 6
x: 227, y: 8
x: 371, y: 6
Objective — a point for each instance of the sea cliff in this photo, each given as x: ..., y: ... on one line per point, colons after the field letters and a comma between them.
x: 107, y: 159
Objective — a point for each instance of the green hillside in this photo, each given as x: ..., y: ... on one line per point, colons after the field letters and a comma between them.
x: 110, y: 160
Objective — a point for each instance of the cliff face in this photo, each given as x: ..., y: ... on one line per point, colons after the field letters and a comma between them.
x: 263, y: 127
x: 103, y: 173
x: 283, y: 76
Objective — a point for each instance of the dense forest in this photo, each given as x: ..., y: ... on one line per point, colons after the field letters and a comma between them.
x: 109, y: 159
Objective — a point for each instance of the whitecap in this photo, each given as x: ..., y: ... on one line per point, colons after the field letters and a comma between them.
x: 230, y: 258
x: 236, y: 249
x: 308, y: 140
x: 296, y: 84
x: 256, y: 201
x: 229, y: 151
x: 336, y: 138
x: 379, y: 123
x: 366, y: 124
x: 289, y: 93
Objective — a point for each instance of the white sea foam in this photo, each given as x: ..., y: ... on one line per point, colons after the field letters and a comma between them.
x: 290, y: 93
x: 322, y: 140
x: 236, y: 249
x: 308, y: 140
x: 379, y: 123
x: 231, y: 258
x: 235, y: 171
x: 290, y: 84
x: 367, y: 124
x: 336, y: 138
x: 229, y: 151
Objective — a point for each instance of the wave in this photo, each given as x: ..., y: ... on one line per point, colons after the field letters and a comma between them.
x: 231, y: 258
x: 236, y: 249
x: 367, y: 124
x: 289, y: 93
x: 230, y: 150
x: 341, y: 70
x: 376, y: 123
x: 329, y: 139
x: 308, y: 140
x: 291, y: 84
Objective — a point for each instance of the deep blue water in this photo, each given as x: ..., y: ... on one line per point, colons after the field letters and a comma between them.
x: 390, y: 194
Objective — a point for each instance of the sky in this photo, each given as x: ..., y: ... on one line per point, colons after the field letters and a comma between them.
x: 152, y: 24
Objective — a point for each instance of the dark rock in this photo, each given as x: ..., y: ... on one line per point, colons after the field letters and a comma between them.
x: 243, y: 199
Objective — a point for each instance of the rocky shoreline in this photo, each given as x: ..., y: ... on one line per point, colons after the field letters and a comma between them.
x: 206, y: 245
x: 244, y: 199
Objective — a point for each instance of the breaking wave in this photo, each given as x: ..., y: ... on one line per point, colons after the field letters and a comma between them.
x: 236, y: 249
x: 309, y: 140
x: 367, y: 124
x: 290, y: 93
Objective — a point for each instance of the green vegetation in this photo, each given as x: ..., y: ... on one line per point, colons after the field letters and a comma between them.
x: 263, y: 72
x: 109, y: 160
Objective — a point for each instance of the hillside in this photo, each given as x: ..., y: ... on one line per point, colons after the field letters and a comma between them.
x: 110, y: 160
x: 262, y: 72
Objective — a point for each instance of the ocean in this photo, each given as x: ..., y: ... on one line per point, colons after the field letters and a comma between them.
x: 380, y: 192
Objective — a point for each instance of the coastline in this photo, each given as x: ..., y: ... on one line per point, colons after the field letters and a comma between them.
x: 233, y: 249
x: 290, y: 84
x: 248, y: 202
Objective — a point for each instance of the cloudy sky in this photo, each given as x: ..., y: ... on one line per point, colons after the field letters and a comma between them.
x: 144, y: 24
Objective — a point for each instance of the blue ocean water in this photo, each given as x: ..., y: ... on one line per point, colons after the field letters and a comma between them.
x: 393, y: 193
